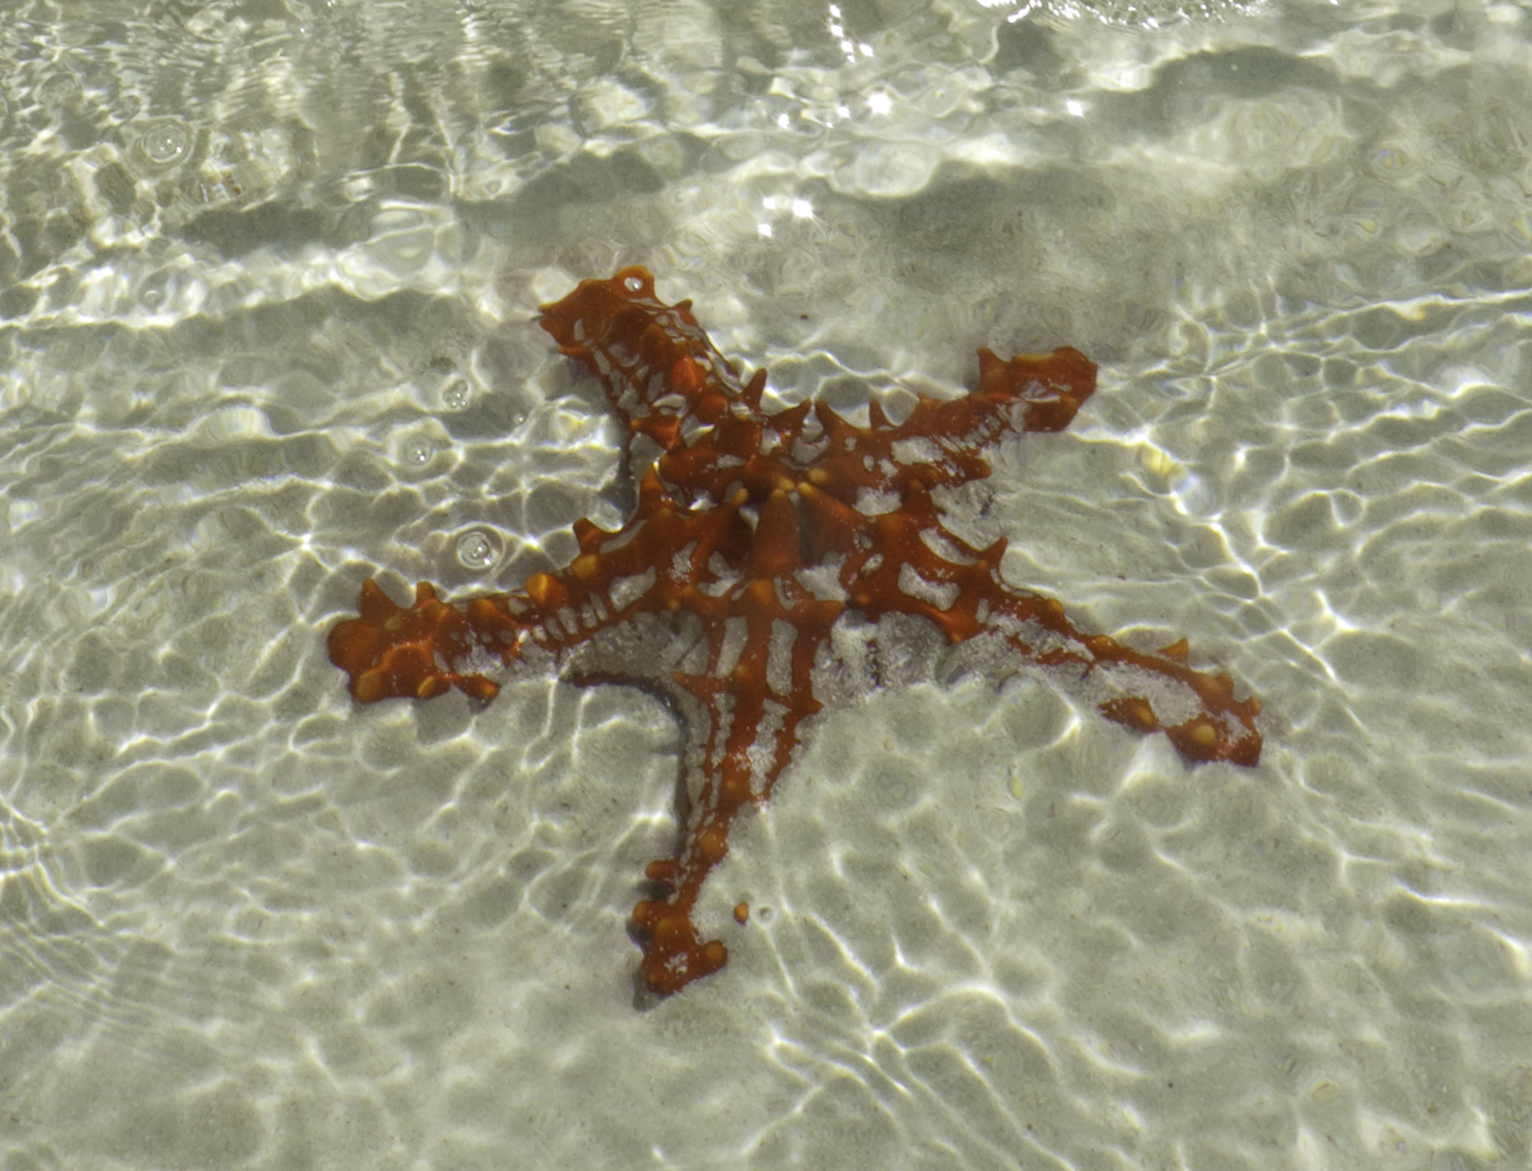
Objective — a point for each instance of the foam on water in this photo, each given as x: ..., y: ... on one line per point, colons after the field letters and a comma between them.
x: 268, y: 278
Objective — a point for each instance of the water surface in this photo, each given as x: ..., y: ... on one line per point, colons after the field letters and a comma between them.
x: 268, y: 280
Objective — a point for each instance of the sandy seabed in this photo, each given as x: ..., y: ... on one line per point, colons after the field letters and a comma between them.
x: 267, y: 311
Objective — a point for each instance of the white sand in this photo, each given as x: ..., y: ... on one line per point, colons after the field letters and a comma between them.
x: 244, y: 924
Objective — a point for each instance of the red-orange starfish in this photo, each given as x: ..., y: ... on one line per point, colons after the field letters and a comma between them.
x: 733, y: 514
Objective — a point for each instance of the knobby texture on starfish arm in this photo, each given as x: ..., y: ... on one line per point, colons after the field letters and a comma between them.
x: 765, y: 528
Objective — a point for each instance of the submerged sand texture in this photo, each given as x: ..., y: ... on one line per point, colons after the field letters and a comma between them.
x: 268, y: 287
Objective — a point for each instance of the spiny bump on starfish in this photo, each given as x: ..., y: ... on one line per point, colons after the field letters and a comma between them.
x: 739, y: 521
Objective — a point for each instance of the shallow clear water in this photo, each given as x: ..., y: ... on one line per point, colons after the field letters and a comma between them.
x: 268, y: 279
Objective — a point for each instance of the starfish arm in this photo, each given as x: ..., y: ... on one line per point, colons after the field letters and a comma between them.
x: 939, y: 442
x: 674, y: 951
x: 751, y: 731
x: 1213, y: 725
x: 660, y: 371
x: 960, y: 590
x: 425, y: 649
x: 1051, y: 387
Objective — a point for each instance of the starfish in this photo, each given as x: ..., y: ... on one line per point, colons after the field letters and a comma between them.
x: 766, y: 528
